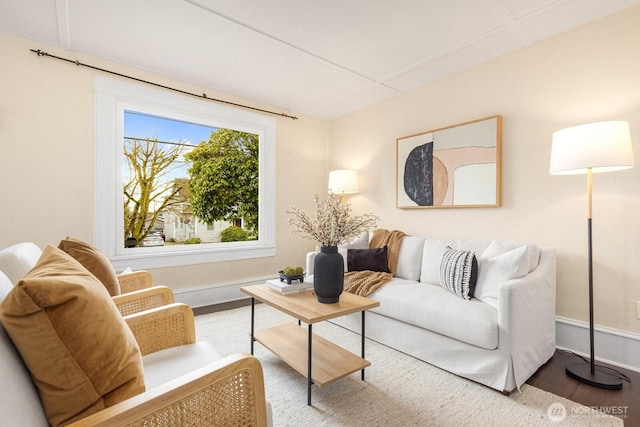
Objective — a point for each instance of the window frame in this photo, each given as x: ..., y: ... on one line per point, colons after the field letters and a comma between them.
x: 112, y: 98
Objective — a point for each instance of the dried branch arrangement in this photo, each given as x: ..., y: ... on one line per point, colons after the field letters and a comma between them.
x: 332, y: 224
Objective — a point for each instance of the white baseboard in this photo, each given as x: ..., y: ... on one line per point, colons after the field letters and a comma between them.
x: 218, y: 294
x: 613, y: 346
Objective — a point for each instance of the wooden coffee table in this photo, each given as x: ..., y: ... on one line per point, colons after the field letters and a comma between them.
x: 312, y: 355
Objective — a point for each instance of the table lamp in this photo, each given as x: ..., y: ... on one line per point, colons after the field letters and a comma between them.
x: 343, y: 182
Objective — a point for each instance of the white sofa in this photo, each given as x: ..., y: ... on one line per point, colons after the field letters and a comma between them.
x: 499, y: 340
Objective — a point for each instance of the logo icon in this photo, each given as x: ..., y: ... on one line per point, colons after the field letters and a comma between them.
x: 556, y: 412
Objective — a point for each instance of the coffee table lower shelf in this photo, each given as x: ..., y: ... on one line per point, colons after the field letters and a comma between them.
x: 330, y: 362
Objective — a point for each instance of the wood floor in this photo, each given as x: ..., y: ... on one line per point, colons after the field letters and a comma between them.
x: 552, y: 377
x: 626, y: 402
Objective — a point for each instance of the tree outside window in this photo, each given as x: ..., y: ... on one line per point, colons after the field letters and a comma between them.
x: 224, y: 179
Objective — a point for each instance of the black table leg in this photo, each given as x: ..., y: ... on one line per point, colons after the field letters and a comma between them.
x: 309, y: 365
x: 253, y: 313
x: 362, y: 344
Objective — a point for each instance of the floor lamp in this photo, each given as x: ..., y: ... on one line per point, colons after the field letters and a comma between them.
x: 588, y: 149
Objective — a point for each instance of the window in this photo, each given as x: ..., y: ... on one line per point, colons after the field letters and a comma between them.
x: 188, y: 182
x: 118, y: 106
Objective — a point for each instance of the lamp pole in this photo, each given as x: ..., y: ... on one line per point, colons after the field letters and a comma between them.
x: 590, y: 261
x: 579, y: 370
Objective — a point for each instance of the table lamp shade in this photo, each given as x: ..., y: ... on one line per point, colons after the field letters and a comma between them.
x: 343, y: 181
x: 601, y: 146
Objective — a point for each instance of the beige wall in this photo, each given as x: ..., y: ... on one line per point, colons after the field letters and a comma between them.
x: 589, y: 74
x: 46, y: 161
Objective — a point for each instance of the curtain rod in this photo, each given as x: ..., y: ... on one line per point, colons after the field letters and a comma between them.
x: 203, y: 96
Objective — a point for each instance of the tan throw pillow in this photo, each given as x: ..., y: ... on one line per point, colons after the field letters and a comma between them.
x: 94, y: 261
x: 80, y: 353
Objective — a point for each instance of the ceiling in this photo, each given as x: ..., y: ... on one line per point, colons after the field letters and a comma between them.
x: 322, y: 58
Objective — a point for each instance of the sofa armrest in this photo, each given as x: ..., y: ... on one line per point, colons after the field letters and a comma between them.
x: 229, y: 391
x: 163, y: 327
x: 526, y: 317
x: 144, y: 299
x: 135, y: 281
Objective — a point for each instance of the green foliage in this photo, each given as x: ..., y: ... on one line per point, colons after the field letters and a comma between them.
x: 224, y: 178
x: 234, y: 234
x: 193, y: 241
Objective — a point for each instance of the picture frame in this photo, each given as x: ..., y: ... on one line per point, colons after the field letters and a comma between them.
x: 458, y: 166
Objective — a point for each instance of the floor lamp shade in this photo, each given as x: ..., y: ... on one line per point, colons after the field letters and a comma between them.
x: 587, y: 149
x: 600, y: 146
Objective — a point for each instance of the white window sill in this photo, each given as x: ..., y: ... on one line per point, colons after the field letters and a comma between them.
x: 148, y: 258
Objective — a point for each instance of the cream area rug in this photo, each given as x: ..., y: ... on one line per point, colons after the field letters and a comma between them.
x: 398, y: 390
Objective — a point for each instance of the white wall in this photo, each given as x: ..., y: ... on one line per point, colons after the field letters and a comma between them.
x: 588, y: 74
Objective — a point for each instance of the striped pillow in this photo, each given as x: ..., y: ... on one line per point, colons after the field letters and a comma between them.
x: 459, y: 272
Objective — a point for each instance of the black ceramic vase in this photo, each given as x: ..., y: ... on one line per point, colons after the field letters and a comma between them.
x: 328, y: 274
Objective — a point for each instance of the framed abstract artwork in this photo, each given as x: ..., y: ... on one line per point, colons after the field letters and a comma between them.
x: 459, y: 166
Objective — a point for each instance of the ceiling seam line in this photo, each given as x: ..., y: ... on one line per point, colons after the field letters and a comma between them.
x: 64, y: 31
x: 326, y: 61
x: 443, y: 54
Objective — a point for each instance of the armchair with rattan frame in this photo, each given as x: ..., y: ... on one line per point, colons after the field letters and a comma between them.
x: 134, y: 281
x: 143, y: 299
x: 227, y: 392
x: 137, y: 293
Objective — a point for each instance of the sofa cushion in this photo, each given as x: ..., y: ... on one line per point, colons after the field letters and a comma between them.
x: 533, y: 252
x: 431, y: 258
x: 459, y: 272
x: 374, y: 259
x: 434, y: 248
x: 479, y: 246
x: 359, y: 242
x: 80, y: 352
x: 18, y: 259
x: 410, y: 258
x: 19, y: 402
x: 94, y: 261
x: 163, y: 366
x: 497, y: 265
x: 5, y: 285
x: 438, y: 310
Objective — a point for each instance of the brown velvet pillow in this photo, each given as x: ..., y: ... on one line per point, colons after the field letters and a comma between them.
x: 80, y: 353
x: 94, y: 261
x: 374, y: 259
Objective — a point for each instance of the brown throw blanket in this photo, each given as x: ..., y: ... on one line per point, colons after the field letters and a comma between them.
x: 365, y: 282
